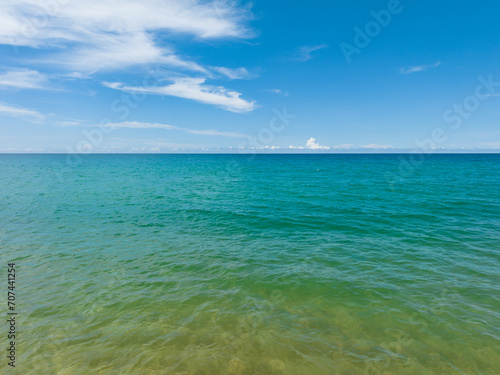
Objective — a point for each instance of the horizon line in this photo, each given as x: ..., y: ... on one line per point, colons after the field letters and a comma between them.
x: 403, y: 151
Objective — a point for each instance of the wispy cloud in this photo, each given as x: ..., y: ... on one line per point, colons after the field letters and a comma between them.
x: 238, y: 73
x: 419, y: 68
x: 149, y: 125
x: 109, y: 34
x: 304, y: 53
x: 345, y: 146
x: 23, y: 79
x: 149, y: 144
x: 218, y: 133
x: 140, y: 125
x: 375, y: 146
x: 27, y: 114
x: 82, y: 39
x: 69, y: 123
x: 491, y: 145
x: 194, y: 89
x: 278, y: 91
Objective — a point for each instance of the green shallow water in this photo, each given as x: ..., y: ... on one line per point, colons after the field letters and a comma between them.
x: 273, y: 264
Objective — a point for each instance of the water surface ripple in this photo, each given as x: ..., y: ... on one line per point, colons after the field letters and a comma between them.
x: 267, y: 264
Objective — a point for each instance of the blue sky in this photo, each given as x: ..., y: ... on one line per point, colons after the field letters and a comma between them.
x: 291, y: 76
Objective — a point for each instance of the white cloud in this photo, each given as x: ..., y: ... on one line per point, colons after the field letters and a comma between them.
x: 491, y: 145
x: 140, y: 125
x: 24, y: 79
x: 109, y: 34
x: 73, y: 75
x: 68, y: 123
x: 313, y: 145
x: 148, y: 125
x: 28, y: 114
x: 239, y: 73
x: 343, y: 147
x: 120, y: 52
x: 143, y: 144
x: 419, y: 68
x: 195, y: 89
x: 145, y: 149
x: 219, y: 133
x: 305, y: 52
x: 84, y: 37
x: 278, y: 91
x: 375, y: 146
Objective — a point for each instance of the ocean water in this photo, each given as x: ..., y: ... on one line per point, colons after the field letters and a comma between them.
x: 238, y: 264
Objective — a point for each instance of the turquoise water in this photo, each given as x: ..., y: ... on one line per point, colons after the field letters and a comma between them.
x: 272, y: 264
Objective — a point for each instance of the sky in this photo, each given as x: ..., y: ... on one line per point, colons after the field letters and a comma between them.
x: 272, y: 76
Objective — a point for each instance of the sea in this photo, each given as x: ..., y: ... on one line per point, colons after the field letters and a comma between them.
x: 212, y: 264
